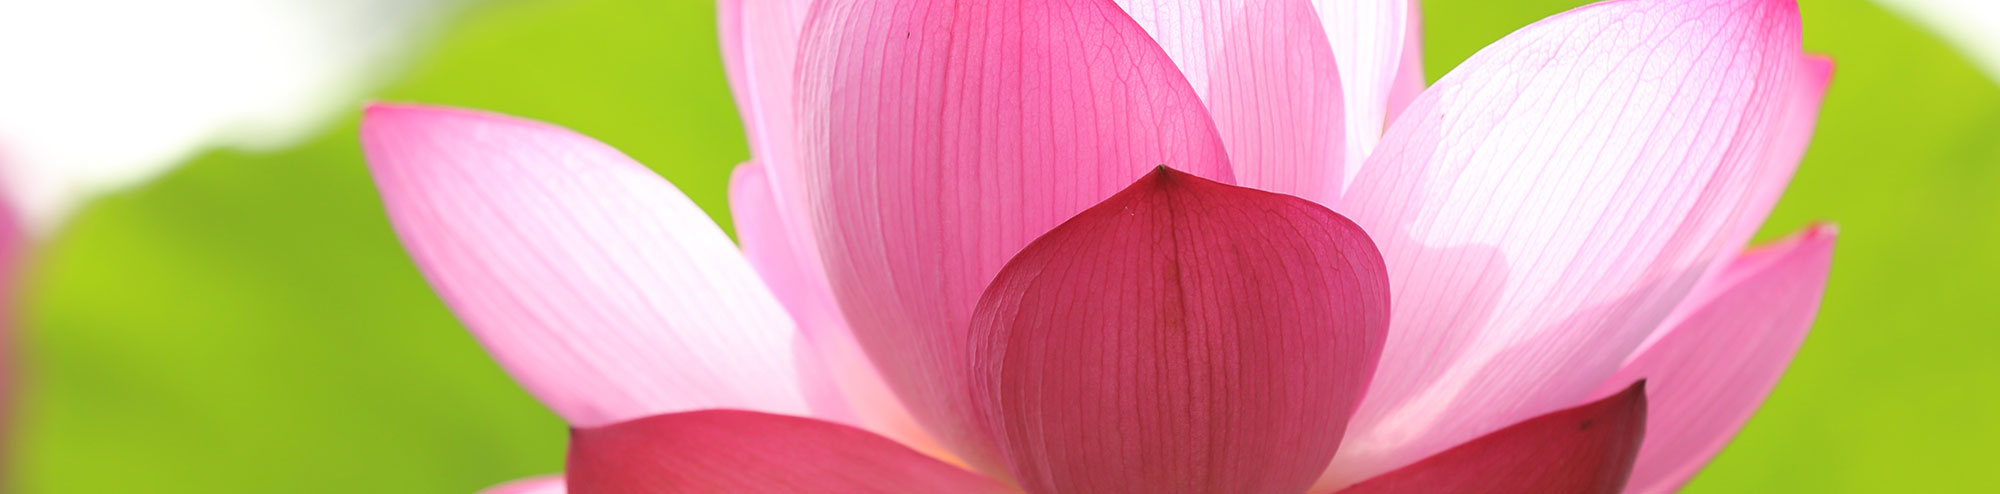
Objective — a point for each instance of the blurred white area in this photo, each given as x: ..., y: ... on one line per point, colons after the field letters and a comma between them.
x: 100, y: 94
x: 1971, y: 25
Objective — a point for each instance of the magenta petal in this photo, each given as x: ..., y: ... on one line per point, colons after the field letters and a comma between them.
x: 1544, y: 206
x: 744, y: 452
x: 1267, y: 73
x: 594, y: 282
x: 1182, y: 336
x: 1586, y: 449
x: 941, y: 137
x: 1711, y: 371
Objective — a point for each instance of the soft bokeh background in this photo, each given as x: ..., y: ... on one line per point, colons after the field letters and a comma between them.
x: 247, y: 323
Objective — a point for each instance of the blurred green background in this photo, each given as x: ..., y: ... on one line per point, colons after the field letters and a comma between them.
x: 249, y: 324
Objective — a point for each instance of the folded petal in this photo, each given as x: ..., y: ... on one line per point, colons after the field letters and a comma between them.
x: 1546, y: 204
x: 1182, y: 336
x: 749, y: 452
x: 774, y: 251
x: 549, y: 484
x: 941, y: 137
x: 1376, y: 43
x: 595, y: 283
x: 1266, y: 71
x: 1711, y: 371
x: 1586, y: 449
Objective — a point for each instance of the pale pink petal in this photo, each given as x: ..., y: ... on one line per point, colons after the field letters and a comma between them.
x: 548, y: 484
x: 745, y: 452
x: 1267, y: 73
x: 772, y: 249
x: 594, y: 282
x: 1547, y: 203
x: 1710, y: 372
x: 1373, y: 41
x: 1586, y: 449
x: 1182, y: 336
x: 1410, y: 72
x: 760, y: 41
x: 942, y: 136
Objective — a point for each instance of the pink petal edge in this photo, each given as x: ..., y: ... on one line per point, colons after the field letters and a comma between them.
x: 1711, y: 371
x: 547, y: 484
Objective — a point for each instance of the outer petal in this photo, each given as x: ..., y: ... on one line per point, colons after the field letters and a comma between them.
x: 748, y: 452
x: 772, y: 249
x: 1267, y: 73
x: 550, y: 484
x: 1712, y: 370
x: 600, y: 287
x: 943, y: 136
x: 1586, y: 449
x: 1182, y: 336
x: 1376, y: 42
x: 1544, y: 206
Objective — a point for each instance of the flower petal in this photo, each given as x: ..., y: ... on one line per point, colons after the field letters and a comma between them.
x: 600, y: 287
x: 1182, y: 336
x: 1267, y: 73
x: 1375, y: 41
x: 942, y: 136
x: 749, y: 452
x: 760, y: 42
x: 1711, y: 371
x: 1585, y: 449
x: 1545, y: 205
x: 1409, y: 73
x: 774, y: 251
x: 547, y: 484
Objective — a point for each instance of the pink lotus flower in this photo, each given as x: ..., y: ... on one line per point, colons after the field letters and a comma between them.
x: 992, y: 245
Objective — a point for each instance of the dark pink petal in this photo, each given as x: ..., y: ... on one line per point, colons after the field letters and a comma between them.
x: 1182, y: 336
x: 1267, y: 73
x: 940, y: 137
x: 1378, y: 46
x: 774, y: 250
x: 742, y: 452
x: 1544, y: 206
x: 1586, y: 449
x: 1712, y: 369
x: 593, y: 281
